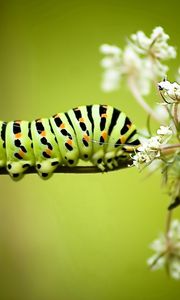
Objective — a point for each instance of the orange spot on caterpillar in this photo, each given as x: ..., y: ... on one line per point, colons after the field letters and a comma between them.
x: 69, y: 142
x: 81, y: 120
x: 104, y: 116
x: 21, y: 153
x: 128, y: 125
x: 86, y: 137
x: 123, y: 139
x: 48, y: 151
x: 104, y: 135
x: 62, y: 126
x: 18, y: 135
x: 43, y: 133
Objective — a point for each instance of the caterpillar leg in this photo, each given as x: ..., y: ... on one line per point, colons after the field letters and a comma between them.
x: 111, y: 160
x: 98, y: 160
x: 17, y: 169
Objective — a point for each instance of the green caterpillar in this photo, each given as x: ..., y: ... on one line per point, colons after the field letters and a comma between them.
x: 97, y: 133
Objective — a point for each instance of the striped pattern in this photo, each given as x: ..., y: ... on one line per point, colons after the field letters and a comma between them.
x: 97, y: 133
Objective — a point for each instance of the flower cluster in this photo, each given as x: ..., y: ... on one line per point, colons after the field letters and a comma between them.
x: 142, y: 64
x: 167, y: 251
x: 111, y: 64
x: 151, y: 148
x: 155, y: 46
x: 141, y: 60
x: 171, y: 91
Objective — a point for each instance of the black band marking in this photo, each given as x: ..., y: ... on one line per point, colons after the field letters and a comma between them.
x: 89, y: 114
x: 114, y: 118
x: 125, y: 128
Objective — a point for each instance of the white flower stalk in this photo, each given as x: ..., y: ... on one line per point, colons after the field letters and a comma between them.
x: 167, y: 251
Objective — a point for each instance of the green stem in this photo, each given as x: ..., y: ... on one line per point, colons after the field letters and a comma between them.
x: 168, y: 223
x: 176, y: 114
x: 140, y: 99
x: 169, y: 149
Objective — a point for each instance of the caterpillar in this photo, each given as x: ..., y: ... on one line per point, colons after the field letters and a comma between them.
x: 97, y: 133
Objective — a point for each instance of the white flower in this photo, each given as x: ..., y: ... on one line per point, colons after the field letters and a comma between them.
x: 159, y: 31
x: 141, y: 60
x: 153, y: 50
x: 111, y: 80
x: 131, y: 61
x: 175, y: 230
x: 111, y: 64
x: 164, y: 130
x: 110, y: 49
x: 156, y: 45
x: 154, y: 143
x: 150, y: 149
x: 147, y: 152
x: 141, y: 158
x: 164, y: 85
x: 170, y: 90
x: 160, y: 261
x: 167, y: 251
x: 138, y: 68
x: 175, y: 269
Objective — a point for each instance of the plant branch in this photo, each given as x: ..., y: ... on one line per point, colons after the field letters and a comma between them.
x: 176, y: 119
x: 168, y: 149
x: 168, y: 222
x: 77, y: 169
x: 140, y: 99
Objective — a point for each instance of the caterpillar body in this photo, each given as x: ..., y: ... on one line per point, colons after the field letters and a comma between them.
x: 97, y: 133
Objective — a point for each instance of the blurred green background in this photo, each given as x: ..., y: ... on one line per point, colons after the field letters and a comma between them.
x: 77, y: 237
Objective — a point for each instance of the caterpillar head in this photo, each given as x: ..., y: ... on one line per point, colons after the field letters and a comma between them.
x: 46, y: 167
x: 16, y: 169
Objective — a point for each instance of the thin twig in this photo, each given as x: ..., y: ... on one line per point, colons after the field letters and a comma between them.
x: 168, y: 223
x: 169, y: 149
x: 77, y: 169
x: 176, y: 114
